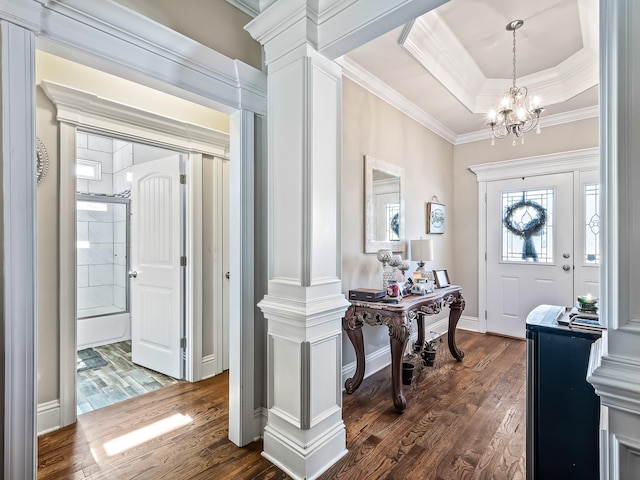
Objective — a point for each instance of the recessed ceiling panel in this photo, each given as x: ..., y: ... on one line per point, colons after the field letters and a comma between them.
x: 551, y: 33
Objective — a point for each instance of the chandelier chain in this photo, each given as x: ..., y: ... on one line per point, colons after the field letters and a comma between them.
x: 514, y: 59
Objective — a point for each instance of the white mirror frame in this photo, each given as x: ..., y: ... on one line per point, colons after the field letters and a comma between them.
x: 371, y: 245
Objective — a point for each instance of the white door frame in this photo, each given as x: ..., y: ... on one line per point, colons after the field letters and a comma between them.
x: 573, y: 161
x: 80, y: 109
x: 99, y: 33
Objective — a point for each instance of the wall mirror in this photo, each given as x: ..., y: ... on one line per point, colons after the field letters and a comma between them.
x: 384, y: 206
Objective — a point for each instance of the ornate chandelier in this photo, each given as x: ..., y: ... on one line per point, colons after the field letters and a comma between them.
x: 517, y: 113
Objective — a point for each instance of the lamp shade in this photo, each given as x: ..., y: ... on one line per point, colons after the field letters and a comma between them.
x: 422, y: 250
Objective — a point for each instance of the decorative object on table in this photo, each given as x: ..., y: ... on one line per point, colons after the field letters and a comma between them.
x: 407, y: 372
x: 525, y: 219
x: 367, y: 294
x: 403, y: 266
x: 42, y: 161
x: 515, y: 115
x: 441, y: 278
x: 394, y: 263
x: 408, y: 287
x: 421, y: 252
x: 587, y: 304
x: 393, y: 290
x: 385, y: 256
x: 435, y: 216
x: 421, y: 286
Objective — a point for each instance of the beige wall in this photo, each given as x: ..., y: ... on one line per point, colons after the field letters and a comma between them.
x: 71, y: 74
x: 213, y: 23
x: 370, y: 126
x: 464, y: 218
x: 47, y: 250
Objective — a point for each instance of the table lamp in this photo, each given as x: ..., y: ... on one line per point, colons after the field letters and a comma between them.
x: 421, y: 251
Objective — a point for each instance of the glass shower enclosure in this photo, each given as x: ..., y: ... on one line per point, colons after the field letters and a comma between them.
x: 102, y: 257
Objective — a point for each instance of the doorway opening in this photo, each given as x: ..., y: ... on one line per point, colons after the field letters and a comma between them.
x: 111, y: 367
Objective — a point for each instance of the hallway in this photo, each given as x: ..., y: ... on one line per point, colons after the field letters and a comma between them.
x: 463, y: 420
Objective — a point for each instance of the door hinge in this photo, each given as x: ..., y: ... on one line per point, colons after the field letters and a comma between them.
x: 183, y: 342
x: 485, y: 256
x: 485, y: 314
x: 183, y: 261
x: 485, y: 198
x: 183, y: 179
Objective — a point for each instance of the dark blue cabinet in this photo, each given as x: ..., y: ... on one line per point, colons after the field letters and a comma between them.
x: 562, y: 407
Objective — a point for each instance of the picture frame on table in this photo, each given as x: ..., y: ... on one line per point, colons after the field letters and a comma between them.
x: 441, y: 278
x: 435, y: 217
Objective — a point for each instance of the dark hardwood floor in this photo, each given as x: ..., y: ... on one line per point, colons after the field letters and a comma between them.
x: 464, y: 420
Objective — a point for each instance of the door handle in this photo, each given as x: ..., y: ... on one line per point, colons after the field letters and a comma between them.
x: 133, y: 274
x: 565, y: 255
x: 566, y: 267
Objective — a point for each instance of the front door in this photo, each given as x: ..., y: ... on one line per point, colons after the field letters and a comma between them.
x: 155, y: 277
x: 529, y: 248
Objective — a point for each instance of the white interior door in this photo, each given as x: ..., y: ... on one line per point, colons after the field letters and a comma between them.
x: 225, y: 265
x: 515, y: 285
x: 156, y: 232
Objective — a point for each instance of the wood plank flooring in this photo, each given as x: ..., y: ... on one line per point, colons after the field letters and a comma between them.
x: 464, y: 420
x: 120, y: 379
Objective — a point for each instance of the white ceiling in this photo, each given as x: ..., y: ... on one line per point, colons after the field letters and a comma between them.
x: 451, y: 66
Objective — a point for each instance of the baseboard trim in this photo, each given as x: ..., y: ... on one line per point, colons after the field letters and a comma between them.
x: 381, y: 358
x: 471, y: 324
x: 48, y: 417
x: 259, y: 422
x: 209, y: 367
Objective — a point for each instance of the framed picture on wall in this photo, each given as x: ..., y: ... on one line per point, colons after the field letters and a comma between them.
x: 435, y: 217
x: 441, y: 277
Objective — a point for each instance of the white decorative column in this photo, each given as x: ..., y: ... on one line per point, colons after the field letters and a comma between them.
x: 17, y: 124
x: 615, y: 361
x: 304, y: 306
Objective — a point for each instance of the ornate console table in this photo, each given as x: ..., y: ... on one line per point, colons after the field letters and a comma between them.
x: 398, y: 318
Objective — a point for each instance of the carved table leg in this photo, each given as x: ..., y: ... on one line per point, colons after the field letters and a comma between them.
x: 420, y: 323
x: 455, y: 312
x: 354, y: 332
x: 397, y: 349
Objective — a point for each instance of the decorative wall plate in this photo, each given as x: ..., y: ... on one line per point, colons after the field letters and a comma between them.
x: 42, y: 161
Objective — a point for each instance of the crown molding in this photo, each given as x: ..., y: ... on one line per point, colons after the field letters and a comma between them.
x: 253, y: 8
x: 79, y: 107
x: 353, y: 71
x: 429, y: 39
x: 548, y: 121
x: 91, y: 29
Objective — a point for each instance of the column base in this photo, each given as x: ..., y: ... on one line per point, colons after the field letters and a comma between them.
x: 308, y: 460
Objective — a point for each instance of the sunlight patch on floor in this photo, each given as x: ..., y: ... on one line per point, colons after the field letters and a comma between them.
x: 144, y: 434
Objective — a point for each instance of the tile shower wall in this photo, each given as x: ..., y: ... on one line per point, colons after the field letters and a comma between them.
x: 122, y: 161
